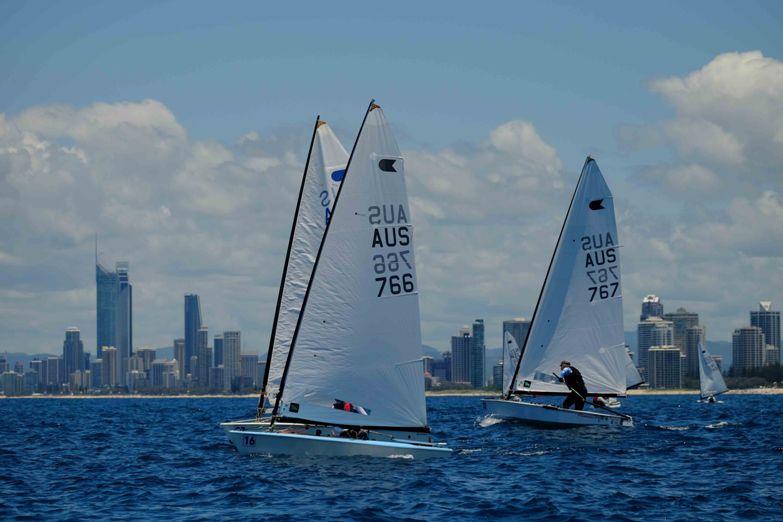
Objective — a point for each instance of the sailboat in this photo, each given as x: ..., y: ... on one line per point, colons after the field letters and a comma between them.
x: 711, y: 383
x: 324, y: 171
x: 353, y: 379
x: 578, y: 317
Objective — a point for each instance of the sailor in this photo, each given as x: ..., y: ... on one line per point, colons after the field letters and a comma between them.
x: 573, y: 379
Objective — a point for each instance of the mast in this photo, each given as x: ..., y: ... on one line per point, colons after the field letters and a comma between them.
x: 260, y: 407
x: 512, y: 385
x: 284, y: 377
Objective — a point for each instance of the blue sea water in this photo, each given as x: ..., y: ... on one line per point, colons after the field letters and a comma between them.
x: 168, y: 459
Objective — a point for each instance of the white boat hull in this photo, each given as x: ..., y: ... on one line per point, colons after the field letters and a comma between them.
x: 297, y: 444
x: 551, y: 416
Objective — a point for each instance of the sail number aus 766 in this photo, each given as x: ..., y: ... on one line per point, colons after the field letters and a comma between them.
x: 391, y: 263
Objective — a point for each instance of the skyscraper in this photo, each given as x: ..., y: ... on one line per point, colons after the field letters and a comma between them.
x: 73, y: 352
x: 478, y: 352
x: 769, y: 321
x: 651, y: 307
x: 110, y: 367
x: 204, y: 359
x: 653, y: 331
x: 694, y: 336
x: 664, y: 367
x: 232, y: 364
x: 248, y: 371
x: 124, y: 319
x: 107, y: 289
x: 192, y: 325
x: 747, y: 349
x: 460, y: 356
x: 179, y: 356
x: 681, y: 321
x: 217, y: 345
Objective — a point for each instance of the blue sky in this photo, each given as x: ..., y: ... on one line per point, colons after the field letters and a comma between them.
x: 582, y: 75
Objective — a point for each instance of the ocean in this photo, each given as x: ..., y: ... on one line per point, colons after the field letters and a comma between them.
x: 168, y: 459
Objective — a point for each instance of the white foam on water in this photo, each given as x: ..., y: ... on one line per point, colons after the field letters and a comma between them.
x: 406, y: 456
x: 674, y: 428
x: 488, y: 421
x: 467, y: 451
x: 720, y: 424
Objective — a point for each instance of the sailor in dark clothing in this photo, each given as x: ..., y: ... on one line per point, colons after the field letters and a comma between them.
x: 573, y: 379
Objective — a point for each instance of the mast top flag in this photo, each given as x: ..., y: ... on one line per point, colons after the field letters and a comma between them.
x: 578, y: 316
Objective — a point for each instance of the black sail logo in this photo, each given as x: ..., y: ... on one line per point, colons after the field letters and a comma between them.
x: 387, y: 165
x: 597, y: 204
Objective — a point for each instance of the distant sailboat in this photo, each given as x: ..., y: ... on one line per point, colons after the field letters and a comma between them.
x: 324, y: 171
x: 711, y: 383
x: 353, y: 379
x: 578, y: 317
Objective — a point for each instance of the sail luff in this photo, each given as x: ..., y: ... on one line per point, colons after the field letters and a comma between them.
x: 512, y: 385
x: 260, y: 407
x: 276, y: 408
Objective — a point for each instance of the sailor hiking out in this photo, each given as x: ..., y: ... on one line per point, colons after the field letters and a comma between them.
x: 573, y: 379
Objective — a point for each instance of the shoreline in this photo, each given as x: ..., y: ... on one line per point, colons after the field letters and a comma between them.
x: 443, y: 393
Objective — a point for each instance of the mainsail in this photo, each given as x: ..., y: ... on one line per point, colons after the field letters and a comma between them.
x: 323, y: 173
x: 711, y: 381
x: 356, y: 354
x: 579, y: 316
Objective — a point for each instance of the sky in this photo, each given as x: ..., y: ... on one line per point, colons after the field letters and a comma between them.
x: 178, y: 132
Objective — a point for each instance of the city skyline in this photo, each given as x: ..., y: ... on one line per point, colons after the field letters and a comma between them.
x: 193, y: 179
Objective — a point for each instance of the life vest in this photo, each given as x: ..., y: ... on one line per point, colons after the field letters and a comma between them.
x: 575, y: 381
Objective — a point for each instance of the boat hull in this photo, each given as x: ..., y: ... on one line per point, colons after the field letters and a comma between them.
x: 550, y: 416
x: 298, y: 444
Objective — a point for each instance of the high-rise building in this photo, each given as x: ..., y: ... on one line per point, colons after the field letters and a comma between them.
x: 260, y: 369
x: 107, y: 289
x: 54, y: 372
x: 179, y: 356
x: 73, y: 351
x: 37, y: 366
x: 11, y: 383
x: 441, y: 368
x: 769, y: 321
x: 771, y: 355
x: 217, y: 345
x: 653, y: 331
x: 651, y: 307
x: 217, y: 376
x: 232, y: 364
x: 497, y: 375
x: 163, y: 375
x: 517, y: 328
x: 110, y: 368
x: 124, y: 319
x: 31, y: 382
x: 747, y: 349
x: 460, y: 356
x: 3, y: 363
x: 248, y: 369
x: 192, y: 325
x: 204, y: 360
x: 681, y: 321
x: 147, y: 356
x: 694, y: 337
x: 478, y: 351
x: 665, y: 367
x: 96, y: 374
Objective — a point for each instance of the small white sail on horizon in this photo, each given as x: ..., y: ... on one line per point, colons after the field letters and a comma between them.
x: 510, y: 358
x: 323, y: 174
x: 356, y: 356
x: 711, y: 381
x: 579, y: 316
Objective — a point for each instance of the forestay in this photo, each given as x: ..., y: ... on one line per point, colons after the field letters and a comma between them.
x: 510, y: 358
x: 356, y: 358
x: 580, y: 317
x: 711, y: 381
x: 324, y: 172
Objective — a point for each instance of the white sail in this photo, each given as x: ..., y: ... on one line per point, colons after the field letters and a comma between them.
x: 510, y: 358
x: 632, y: 375
x: 357, y: 355
x: 580, y: 316
x: 325, y: 171
x: 710, y: 378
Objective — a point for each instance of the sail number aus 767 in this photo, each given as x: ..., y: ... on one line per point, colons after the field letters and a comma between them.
x: 600, y: 250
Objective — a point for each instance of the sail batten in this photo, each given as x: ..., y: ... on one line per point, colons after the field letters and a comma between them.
x: 578, y: 316
x: 356, y: 354
x: 324, y: 171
